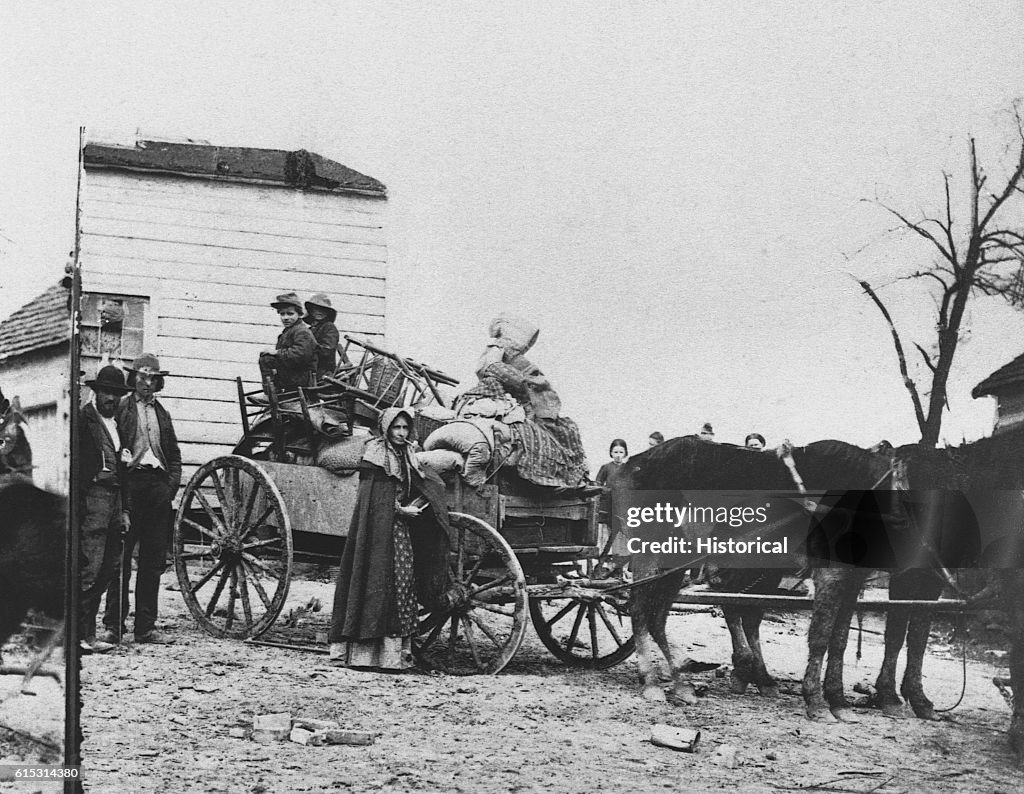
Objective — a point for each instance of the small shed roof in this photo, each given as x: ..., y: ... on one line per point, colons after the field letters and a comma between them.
x: 299, y: 169
x: 41, y: 323
x: 1006, y: 376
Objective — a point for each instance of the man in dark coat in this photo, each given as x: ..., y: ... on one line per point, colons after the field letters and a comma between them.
x: 321, y: 317
x: 293, y: 362
x: 104, y: 514
x: 150, y: 453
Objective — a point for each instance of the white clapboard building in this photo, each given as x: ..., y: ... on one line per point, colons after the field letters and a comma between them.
x: 183, y: 246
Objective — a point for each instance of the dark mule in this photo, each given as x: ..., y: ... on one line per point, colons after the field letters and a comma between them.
x: 689, y: 464
x: 990, y: 475
x: 15, y: 452
x: 32, y: 536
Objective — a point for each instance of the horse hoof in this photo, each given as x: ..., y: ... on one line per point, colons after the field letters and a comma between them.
x: 820, y: 714
x: 654, y: 694
x: 896, y: 711
x: 683, y: 695
x: 769, y: 691
x: 927, y: 713
x: 843, y: 714
x: 737, y: 685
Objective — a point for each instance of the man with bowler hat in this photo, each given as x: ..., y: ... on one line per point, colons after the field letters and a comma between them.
x: 104, y: 514
x: 152, y: 459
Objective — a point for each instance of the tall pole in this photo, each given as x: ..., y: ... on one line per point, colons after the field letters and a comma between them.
x: 72, y: 586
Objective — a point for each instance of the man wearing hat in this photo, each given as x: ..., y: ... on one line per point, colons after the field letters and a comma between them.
x: 152, y: 459
x: 104, y: 514
x: 321, y: 322
x: 292, y: 363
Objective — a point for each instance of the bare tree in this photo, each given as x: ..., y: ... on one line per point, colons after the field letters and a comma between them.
x: 984, y: 258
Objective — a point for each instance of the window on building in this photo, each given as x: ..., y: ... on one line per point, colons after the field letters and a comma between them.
x: 112, y: 330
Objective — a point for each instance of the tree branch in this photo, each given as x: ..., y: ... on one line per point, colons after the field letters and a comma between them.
x: 907, y: 380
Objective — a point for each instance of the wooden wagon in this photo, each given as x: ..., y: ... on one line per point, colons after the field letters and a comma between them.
x: 518, y: 553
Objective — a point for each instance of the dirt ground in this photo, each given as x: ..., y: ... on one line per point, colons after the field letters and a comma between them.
x: 159, y: 718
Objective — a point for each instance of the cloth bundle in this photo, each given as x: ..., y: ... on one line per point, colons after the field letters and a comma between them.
x: 474, y: 439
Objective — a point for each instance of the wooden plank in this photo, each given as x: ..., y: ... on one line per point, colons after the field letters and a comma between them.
x: 248, y: 314
x: 172, y: 253
x: 201, y: 216
x: 117, y: 186
x: 806, y: 602
x: 212, y: 411
x: 332, y: 283
x: 317, y: 501
x: 192, y: 431
x: 197, y: 453
x: 569, y: 512
x: 169, y: 286
x: 219, y: 239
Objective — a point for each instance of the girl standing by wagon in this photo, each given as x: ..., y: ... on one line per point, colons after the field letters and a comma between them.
x: 614, y: 476
x: 394, y: 554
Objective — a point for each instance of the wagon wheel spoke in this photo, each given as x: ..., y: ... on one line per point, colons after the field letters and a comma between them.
x: 259, y: 544
x: 592, y: 618
x: 560, y: 614
x: 206, y: 577
x: 225, y: 508
x: 234, y: 497
x: 506, y: 579
x: 483, y: 627
x: 258, y: 586
x: 459, y: 555
x: 200, y: 529
x: 209, y: 511
x: 600, y: 609
x: 575, y: 633
x: 467, y: 630
x: 196, y: 555
x: 217, y: 591
x: 246, y: 605
x: 453, y: 636
x: 232, y: 594
x: 256, y: 562
x: 434, y: 632
x: 511, y: 613
x: 258, y: 522
x: 250, y: 503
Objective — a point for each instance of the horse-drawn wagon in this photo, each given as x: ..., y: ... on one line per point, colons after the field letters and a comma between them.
x: 286, y: 494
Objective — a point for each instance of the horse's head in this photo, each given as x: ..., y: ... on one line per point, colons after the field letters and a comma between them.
x: 12, y: 436
x: 831, y: 465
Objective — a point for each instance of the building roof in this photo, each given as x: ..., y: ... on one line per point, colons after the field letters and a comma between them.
x: 299, y: 169
x: 41, y: 323
x: 1008, y: 375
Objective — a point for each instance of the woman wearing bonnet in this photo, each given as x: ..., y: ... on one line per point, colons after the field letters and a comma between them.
x: 394, y: 554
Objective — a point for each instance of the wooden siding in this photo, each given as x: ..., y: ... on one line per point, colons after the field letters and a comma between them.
x: 210, y: 256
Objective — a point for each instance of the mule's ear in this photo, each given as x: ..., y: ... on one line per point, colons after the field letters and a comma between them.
x: 4, y: 404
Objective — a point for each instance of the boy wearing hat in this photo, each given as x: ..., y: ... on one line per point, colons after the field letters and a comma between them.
x: 152, y: 459
x: 321, y: 322
x: 104, y: 514
x: 292, y: 363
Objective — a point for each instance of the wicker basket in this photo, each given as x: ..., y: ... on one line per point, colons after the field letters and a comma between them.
x: 425, y: 425
x: 386, y: 381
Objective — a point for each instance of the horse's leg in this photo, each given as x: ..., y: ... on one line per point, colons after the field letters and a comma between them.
x: 895, y: 631
x: 922, y: 584
x: 834, y: 690
x: 743, y: 671
x: 766, y: 683
x: 649, y: 607
x: 828, y: 592
x: 678, y: 662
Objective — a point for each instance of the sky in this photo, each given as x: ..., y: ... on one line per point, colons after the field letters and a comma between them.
x: 681, y: 195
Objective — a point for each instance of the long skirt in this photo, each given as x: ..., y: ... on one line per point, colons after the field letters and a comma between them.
x: 389, y: 653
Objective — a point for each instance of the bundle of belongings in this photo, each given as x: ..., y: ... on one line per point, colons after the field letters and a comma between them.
x: 511, y: 407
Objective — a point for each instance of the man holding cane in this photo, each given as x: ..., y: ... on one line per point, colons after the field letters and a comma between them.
x: 104, y: 513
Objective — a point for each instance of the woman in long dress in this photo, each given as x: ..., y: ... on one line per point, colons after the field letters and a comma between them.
x: 395, y: 553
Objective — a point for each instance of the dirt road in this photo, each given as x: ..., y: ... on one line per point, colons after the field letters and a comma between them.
x: 160, y: 719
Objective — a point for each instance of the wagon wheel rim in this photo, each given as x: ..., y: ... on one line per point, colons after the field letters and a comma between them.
x: 233, y: 548
x: 593, y: 632
x: 483, y: 622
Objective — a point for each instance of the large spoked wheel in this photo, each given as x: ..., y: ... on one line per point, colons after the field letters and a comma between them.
x: 585, y: 627
x: 483, y: 620
x: 233, y: 548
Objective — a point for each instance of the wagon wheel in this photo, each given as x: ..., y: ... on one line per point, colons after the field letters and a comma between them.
x: 483, y: 621
x: 233, y: 548
x: 586, y: 627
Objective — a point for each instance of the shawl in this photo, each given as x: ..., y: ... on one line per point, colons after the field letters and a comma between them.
x: 381, y: 452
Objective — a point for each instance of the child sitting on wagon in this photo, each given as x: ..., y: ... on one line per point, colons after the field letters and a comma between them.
x: 321, y: 317
x: 292, y: 363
